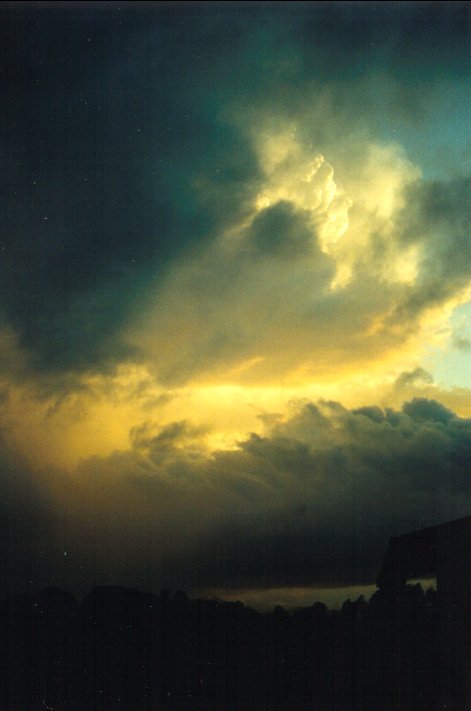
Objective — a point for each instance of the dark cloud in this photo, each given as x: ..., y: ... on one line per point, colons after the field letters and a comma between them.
x: 461, y: 343
x: 424, y: 410
x: 414, y: 377
x: 359, y: 37
x: 279, y: 232
x: 311, y: 502
x: 438, y: 217
x: 121, y: 149
x: 102, y: 139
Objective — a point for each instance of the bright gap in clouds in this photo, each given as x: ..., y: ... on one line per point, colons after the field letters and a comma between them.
x: 328, y: 288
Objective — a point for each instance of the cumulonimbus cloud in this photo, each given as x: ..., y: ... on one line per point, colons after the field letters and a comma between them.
x: 317, y: 278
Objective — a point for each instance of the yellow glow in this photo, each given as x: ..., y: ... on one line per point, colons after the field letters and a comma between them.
x: 99, y: 419
x: 228, y: 340
x: 290, y: 597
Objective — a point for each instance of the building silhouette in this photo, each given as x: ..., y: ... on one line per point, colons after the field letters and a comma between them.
x: 443, y: 552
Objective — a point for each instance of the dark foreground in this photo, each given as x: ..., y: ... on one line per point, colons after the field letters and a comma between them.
x: 125, y: 650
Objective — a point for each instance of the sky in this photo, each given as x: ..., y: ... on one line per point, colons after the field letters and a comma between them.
x: 235, y: 291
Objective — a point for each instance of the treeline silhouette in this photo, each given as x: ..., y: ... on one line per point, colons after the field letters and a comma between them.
x: 125, y: 649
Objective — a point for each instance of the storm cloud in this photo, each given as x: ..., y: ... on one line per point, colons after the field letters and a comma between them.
x: 127, y: 140
x: 311, y: 502
x: 213, y: 217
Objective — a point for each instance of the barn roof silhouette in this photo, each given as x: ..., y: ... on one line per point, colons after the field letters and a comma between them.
x: 443, y: 550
